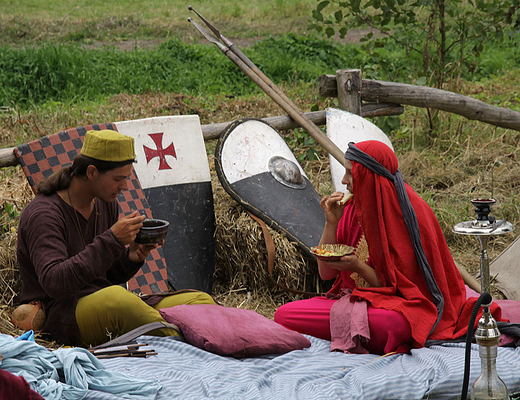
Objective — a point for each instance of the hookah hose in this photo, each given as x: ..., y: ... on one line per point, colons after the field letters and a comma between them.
x: 484, y: 298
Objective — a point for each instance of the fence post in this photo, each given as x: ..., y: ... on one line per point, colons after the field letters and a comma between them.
x: 349, y: 90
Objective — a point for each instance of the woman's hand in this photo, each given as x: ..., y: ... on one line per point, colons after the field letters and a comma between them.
x: 351, y: 263
x: 332, y: 208
x: 346, y: 263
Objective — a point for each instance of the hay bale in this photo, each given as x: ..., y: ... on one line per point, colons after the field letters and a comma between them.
x: 241, y: 254
x: 15, y: 193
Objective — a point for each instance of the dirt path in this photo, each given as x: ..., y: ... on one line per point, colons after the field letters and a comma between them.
x: 353, y: 36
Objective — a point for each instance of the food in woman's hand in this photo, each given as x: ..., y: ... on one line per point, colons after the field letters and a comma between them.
x: 346, y: 197
x: 332, y: 252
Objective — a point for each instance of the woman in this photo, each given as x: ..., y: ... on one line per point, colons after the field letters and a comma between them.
x: 74, y: 252
x: 401, y: 286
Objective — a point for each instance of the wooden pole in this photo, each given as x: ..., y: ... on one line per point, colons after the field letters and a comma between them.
x: 281, y: 123
x: 274, y: 93
x: 349, y: 90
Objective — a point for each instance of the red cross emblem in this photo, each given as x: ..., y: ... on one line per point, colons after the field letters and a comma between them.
x: 160, y: 152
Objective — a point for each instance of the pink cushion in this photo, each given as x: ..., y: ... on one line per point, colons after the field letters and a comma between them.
x: 510, y: 308
x: 232, y: 331
x: 510, y: 312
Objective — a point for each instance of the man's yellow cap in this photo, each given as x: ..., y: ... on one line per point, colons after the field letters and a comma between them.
x: 108, y: 145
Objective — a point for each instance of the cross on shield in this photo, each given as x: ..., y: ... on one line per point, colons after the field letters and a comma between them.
x: 160, y: 152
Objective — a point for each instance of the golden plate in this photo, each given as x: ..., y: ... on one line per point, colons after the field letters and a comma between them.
x: 332, y: 252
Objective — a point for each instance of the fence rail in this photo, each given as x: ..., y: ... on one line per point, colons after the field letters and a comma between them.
x: 418, y: 96
x: 281, y: 123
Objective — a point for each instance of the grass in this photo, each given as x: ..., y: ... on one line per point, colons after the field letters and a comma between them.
x: 158, y: 9
x: 73, y: 21
x: 66, y: 72
x: 54, y: 72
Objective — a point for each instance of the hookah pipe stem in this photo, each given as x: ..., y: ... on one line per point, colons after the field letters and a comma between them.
x: 484, y: 264
x: 486, y: 288
x: 486, y: 299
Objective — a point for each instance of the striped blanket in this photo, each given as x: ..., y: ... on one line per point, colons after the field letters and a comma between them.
x: 185, y: 372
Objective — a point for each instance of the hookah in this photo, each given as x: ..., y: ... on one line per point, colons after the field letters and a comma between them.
x: 488, y: 385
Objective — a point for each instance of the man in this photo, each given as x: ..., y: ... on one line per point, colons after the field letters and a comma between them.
x: 74, y: 252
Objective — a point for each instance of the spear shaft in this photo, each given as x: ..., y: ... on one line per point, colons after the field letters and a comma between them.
x: 260, y: 79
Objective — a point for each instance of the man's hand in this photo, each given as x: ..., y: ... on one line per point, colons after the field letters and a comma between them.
x: 127, y: 227
x: 138, y: 252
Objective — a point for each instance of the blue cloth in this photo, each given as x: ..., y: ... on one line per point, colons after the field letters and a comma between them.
x: 69, y: 373
x: 29, y: 335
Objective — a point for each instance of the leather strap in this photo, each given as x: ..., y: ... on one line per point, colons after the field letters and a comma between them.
x: 269, y: 244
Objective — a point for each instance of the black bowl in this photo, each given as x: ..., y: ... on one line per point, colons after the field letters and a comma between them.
x: 153, y: 231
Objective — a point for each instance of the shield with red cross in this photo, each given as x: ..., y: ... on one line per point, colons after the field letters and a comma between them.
x: 173, y: 170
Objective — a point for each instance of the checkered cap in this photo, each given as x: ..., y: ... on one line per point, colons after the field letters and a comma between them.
x: 42, y: 157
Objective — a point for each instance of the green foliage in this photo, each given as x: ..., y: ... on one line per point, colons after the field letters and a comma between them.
x: 307, y: 56
x: 8, y: 215
x: 10, y: 211
x: 70, y: 73
x: 388, y: 124
x: 45, y: 72
x: 303, y: 145
x: 449, y: 36
x: 64, y: 73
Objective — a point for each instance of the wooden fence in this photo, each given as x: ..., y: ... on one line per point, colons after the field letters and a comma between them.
x: 351, y: 91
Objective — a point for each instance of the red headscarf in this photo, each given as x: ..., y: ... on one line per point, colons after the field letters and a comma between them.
x: 404, y: 288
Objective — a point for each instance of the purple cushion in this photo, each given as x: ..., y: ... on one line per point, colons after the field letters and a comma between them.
x: 232, y: 331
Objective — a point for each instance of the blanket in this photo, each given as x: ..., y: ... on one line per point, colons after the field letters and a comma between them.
x: 186, y: 372
x: 69, y: 373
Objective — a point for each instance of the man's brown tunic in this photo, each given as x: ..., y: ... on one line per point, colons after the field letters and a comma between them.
x: 57, y: 268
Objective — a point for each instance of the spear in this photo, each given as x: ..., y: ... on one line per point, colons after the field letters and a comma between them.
x: 258, y: 77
